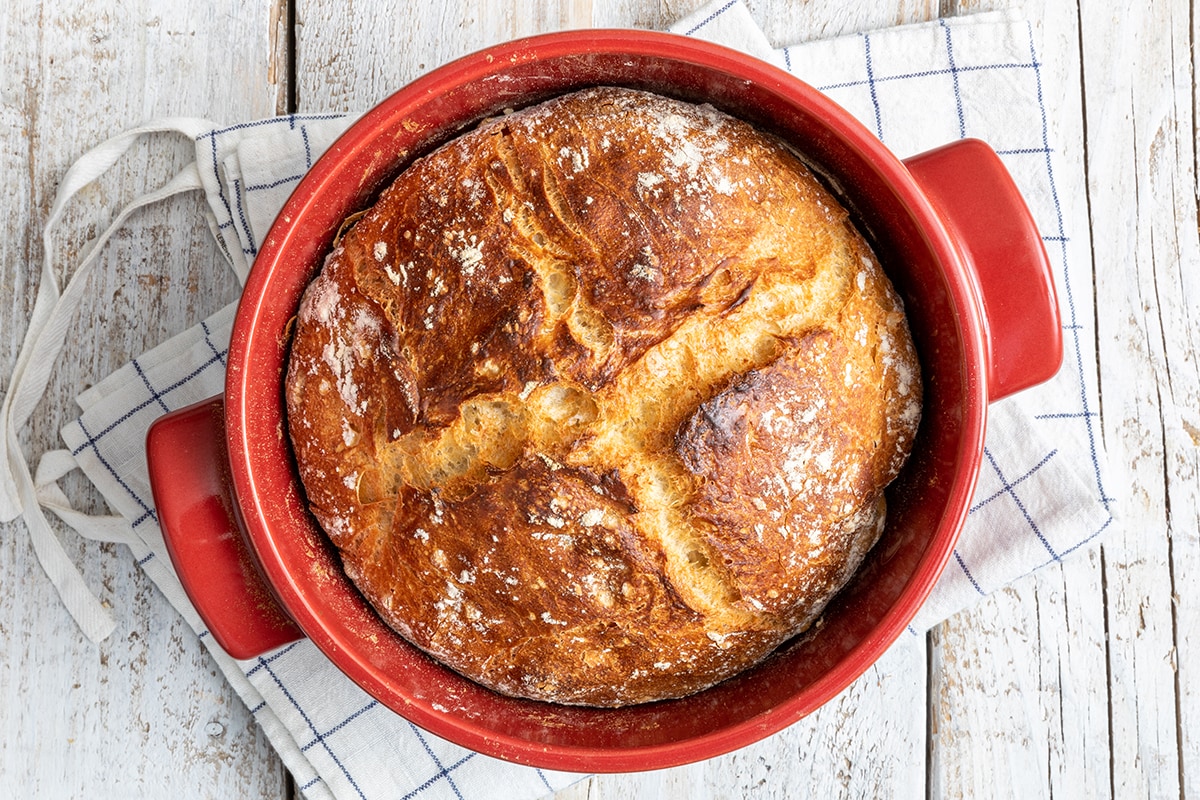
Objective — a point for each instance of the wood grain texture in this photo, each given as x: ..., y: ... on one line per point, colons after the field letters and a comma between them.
x: 146, y: 712
x: 347, y: 62
x: 1013, y: 684
x: 787, y: 22
x: 1141, y: 136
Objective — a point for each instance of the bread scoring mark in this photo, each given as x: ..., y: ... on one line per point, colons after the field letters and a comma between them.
x: 626, y: 427
x: 490, y: 433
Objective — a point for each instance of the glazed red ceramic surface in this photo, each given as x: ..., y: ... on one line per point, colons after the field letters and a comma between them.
x: 952, y: 233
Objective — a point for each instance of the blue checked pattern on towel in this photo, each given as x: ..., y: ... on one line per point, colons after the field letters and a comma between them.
x: 1041, y: 496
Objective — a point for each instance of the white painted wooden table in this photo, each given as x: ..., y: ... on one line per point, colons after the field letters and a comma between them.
x: 1080, y: 681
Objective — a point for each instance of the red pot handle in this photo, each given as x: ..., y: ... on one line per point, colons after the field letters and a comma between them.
x: 987, y: 218
x: 189, y: 478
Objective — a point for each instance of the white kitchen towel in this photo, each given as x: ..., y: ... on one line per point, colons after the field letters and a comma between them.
x: 1041, y: 496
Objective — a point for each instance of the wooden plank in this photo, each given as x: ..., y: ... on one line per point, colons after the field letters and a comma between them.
x: 1013, y: 698
x: 1141, y: 170
x: 146, y: 712
x: 347, y: 62
x: 783, y: 21
x: 823, y: 19
x: 1183, y: 446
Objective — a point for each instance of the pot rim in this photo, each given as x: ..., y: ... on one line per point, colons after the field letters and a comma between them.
x: 250, y: 409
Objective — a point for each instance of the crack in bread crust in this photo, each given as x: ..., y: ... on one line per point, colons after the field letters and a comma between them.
x: 622, y: 427
x: 599, y: 400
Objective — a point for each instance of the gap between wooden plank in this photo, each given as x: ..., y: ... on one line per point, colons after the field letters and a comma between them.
x: 1087, y: 201
x: 292, y: 92
x: 1179, y: 731
x: 282, y: 66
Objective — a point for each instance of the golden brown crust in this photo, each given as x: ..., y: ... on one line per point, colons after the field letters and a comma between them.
x: 599, y: 400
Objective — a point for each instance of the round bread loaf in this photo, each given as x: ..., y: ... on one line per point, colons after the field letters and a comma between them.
x: 598, y: 401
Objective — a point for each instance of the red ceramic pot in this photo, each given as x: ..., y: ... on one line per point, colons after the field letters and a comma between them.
x: 951, y: 231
